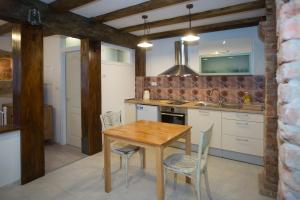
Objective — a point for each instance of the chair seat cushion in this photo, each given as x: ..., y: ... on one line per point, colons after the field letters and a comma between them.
x: 123, y: 148
x: 181, y: 163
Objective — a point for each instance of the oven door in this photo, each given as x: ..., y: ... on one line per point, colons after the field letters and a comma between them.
x: 174, y: 118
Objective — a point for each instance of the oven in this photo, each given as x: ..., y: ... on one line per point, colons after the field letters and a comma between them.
x: 173, y: 115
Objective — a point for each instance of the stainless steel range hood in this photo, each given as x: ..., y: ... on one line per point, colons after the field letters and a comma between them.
x: 181, y: 62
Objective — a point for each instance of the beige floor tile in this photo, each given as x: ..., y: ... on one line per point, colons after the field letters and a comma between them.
x: 82, y: 180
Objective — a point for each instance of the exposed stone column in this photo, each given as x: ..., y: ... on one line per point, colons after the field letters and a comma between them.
x: 288, y: 78
x: 269, y: 177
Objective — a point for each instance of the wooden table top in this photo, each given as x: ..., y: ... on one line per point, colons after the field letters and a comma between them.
x: 148, y: 132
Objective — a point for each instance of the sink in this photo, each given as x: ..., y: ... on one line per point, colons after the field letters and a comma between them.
x: 207, y: 104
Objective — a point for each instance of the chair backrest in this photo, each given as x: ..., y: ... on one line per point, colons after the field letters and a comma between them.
x: 110, y: 119
x: 204, y: 144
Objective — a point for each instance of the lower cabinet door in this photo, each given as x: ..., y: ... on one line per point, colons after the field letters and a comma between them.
x: 202, y: 120
x: 242, y: 145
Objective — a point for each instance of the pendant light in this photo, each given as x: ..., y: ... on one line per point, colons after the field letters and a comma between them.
x: 145, y: 43
x: 190, y: 36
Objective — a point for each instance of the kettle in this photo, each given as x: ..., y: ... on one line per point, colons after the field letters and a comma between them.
x: 146, y: 95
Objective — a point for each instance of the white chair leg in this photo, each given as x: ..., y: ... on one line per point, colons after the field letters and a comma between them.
x: 120, y: 163
x: 198, y: 187
x: 207, y: 184
x: 175, y: 181
x: 125, y: 159
x: 165, y: 179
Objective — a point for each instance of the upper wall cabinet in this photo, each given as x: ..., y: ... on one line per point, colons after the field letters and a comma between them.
x: 226, y: 57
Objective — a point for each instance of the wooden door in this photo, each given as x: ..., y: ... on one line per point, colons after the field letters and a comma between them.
x: 73, y: 89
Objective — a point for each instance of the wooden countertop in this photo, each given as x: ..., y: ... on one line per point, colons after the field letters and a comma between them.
x: 8, y: 128
x: 246, y: 109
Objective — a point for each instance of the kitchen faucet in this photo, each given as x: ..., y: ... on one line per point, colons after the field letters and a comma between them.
x: 221, y: 98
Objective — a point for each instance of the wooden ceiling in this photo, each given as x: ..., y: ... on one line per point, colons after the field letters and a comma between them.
x: 166, y: 17
x: 119, y: 22
x: 5, y: 28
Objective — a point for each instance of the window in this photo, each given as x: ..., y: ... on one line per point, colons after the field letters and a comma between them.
x: 72, y: 42
x: 114, y: 54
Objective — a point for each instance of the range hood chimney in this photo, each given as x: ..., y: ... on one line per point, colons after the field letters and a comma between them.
x: 181, y: 62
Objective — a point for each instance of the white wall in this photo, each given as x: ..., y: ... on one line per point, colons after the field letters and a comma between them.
x: 10, y: 167
x: 118, y: 84
x: 161, y: 56
x: 53, y: 86
x: 6, y: 42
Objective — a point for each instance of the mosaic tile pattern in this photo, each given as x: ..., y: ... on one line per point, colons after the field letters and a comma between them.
x: 232, y: 88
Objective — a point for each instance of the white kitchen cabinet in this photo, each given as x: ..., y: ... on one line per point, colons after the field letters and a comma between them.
x: 243, y: 133
x: 242, y: 145
x: 242, y: 128
x: 129, y: 113
x: 202, y: 120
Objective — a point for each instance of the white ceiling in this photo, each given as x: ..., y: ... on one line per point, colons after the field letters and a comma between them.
x: 100, y: 7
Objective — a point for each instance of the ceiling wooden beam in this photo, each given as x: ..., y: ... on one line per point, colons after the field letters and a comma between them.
x: 4, y: 54
x: 5, y: 28
x: 201, y: 15
x: 66, y: 5
x: 208, y: 28
x: 139, y: 8
x: 65, y: 23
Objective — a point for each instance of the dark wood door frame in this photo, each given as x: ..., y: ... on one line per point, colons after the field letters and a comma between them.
x: 28, y: 98
x: 91, y: 96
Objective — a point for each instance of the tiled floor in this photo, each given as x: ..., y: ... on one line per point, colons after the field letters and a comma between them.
x: 57, y: 156
x: 229, y: 180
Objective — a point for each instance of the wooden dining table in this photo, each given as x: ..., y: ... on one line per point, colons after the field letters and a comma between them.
x: 146, y: 134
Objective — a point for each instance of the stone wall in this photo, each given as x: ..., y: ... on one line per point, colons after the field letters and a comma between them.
x: 288, y: 78
x: 269, y: 176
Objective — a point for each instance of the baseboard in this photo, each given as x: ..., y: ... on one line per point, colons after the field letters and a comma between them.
x: 251, y: 159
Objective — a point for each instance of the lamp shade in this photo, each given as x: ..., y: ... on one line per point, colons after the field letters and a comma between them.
x: 145, y: 44
x: 190, y: 37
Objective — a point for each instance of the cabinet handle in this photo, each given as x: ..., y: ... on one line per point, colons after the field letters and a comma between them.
x: 171, y: 114
x: 206, y: 113
x: 242, y: 140
x: 242, y: 115
x: 242, y: 123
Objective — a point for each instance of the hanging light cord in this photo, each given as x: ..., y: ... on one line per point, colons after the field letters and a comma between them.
x: 146, y: 25
x: 190, y: 18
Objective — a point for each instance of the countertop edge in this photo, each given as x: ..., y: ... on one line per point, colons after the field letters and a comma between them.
x: 152, y: 102
x: 8, y: 128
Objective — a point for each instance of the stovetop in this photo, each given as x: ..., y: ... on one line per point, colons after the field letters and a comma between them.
x: 177, y: 102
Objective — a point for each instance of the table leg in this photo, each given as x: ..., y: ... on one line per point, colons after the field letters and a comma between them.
x: 188, y: 147
x: 107, y: 164
x: 143, y: 153
x: 159, y: 174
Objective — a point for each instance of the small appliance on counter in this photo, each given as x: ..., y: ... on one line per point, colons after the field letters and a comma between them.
x: 146, y: 95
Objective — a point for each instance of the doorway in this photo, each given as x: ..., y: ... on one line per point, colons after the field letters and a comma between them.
x: 62, y: 95
x: 73, y: 98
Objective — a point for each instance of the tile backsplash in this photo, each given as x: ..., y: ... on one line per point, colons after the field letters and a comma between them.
x: 232, y: 88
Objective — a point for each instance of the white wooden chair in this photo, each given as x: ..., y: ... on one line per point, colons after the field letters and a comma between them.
x: 125, y: 151
x: 192, y: 166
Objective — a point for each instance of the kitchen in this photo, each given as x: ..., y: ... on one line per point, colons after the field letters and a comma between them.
x: 145, y: 90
